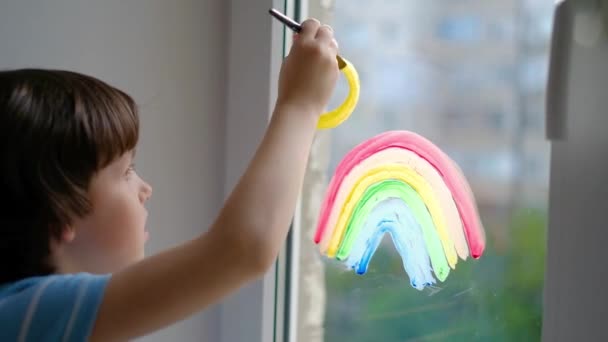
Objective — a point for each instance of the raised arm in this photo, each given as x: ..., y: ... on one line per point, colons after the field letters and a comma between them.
x: 248, y: 233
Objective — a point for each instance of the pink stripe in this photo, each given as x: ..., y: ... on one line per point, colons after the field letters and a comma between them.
x: 455, y: 181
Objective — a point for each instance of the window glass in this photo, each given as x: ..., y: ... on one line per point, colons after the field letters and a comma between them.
x: 469, y: 75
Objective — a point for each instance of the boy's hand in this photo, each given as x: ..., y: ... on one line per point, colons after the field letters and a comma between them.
x: 310, y: 71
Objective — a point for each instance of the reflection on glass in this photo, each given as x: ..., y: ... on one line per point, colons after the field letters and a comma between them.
x: 469, y: 75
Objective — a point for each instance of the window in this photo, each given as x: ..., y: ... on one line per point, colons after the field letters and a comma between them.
x: 495, y: 298
x: 460, y: 28
x: 534, y: 73
x: 535, y: 118
x: 501, y: 30
x: 398, y: 80
x: 358, y: 37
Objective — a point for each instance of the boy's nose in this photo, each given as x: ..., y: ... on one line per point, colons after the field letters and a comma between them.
x: 146, y: 192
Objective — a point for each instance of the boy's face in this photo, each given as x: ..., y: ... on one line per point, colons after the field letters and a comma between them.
x: 113, y: 235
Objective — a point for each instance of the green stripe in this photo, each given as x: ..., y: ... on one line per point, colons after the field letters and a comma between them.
x: 392, y: 188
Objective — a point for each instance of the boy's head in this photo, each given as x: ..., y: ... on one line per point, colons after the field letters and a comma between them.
x: 71, y: 201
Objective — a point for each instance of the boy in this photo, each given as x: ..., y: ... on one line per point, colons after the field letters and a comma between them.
x: 72, y: 226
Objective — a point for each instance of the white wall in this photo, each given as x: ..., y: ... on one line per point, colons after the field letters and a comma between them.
x: 171, y: 56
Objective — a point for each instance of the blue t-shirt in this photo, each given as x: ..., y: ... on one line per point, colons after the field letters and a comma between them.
x: 59, y: 308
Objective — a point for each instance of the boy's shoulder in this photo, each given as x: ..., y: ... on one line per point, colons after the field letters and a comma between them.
x: 51, y: 308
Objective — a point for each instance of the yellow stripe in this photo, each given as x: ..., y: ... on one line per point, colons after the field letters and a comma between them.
x: 402, y: 173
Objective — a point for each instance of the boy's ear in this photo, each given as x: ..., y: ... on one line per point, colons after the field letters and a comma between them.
x: 68, y: 234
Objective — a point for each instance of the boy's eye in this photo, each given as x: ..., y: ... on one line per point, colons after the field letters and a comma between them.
x: 131, y: 169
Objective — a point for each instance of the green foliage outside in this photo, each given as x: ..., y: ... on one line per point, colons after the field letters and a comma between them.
x: 496, y: 298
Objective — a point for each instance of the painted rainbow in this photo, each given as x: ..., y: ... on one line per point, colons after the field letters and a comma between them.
x: 400, y: 183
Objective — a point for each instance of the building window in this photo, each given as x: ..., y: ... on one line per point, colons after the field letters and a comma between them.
x: 460, y: 28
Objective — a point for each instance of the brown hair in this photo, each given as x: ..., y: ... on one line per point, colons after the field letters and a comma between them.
x: 57, y: 129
